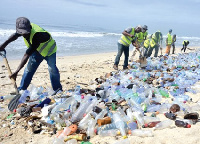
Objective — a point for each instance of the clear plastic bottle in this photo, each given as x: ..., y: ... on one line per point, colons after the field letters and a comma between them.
x: 7, y: 97
x: 111, y: 132
x: 22, y: 99
x: 163, y: 124
x: 139, y: 117
x: 78, y: 115
x: 119, y: 124
x: 91, y: 126
x: 84, y: 122
x: 141, y: 133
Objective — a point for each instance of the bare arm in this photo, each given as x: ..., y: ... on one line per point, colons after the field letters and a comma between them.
x: 21, y: 65
x: 12, y: 38
x: 127, y: 34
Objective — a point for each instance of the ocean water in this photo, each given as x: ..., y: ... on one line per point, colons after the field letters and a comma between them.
x: 76, y: 40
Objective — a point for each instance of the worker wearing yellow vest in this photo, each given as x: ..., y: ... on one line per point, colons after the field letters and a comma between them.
x: 40, y: 46
x: 147, y: 45
x: 128, y: 37
x: 185, y: 44
x: 168, y: 42
x: 173, y: 43
x: 155, y: 43
x: 141, y: 37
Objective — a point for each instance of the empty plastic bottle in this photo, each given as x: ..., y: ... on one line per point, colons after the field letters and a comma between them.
x: 91, y: 126
x: 78, y: 115
x: 119, y: 124
x: 163, y: 124
x: 84, y: 122
x: 111, y: 132
x: 179, y: 123
x: 7, y: 97
x: 22, y: 99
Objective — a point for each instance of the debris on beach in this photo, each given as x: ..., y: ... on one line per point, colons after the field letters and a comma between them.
x: 123, y: 103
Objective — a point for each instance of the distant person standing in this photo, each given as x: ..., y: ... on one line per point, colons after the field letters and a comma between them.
x: 168, y: 42
x: 155, y: 43
x: 173, y: 43
x: 41, y: 46
x: 185, y: 44
x: 128, y: 37
x: 141, y: 37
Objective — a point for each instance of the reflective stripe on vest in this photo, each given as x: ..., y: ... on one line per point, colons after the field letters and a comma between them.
x: 126, y: 40
x: 46, y: 48
x: 169, y: 39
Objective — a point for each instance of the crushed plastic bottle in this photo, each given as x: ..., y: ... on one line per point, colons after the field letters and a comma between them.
x: 179, y: 123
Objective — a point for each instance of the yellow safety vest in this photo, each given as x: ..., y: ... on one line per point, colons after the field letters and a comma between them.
x: 46, y: 48
x: 126, y: 40
x: 145, y: 35
x: 152, y: 43
x: 169, y: 39
x: 185, y: 41
x: 146, y: 43
x: 140, y: 37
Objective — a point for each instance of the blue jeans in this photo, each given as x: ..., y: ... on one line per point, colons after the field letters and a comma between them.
x: 121, y: 49
x: 34, y: 61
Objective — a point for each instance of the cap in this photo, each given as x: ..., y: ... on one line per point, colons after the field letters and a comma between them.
x: 170, y: 30
x: 145, y: 27
x: 23, y: 25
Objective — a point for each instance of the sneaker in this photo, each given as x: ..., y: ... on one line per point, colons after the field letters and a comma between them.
x: 115, y: 67
x: 125, y: 68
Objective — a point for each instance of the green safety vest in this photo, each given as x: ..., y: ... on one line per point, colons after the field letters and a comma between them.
x: 169, y: 39
x: 126, y: 40
x: 146, y: 43
x: 46, y: 48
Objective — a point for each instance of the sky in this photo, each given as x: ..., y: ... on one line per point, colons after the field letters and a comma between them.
x: 182, y: 16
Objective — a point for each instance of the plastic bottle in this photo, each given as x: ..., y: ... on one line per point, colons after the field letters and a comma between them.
x: 179, y: 123
x: 101, y: 114
x: 141, y: 133
x: 148, y: 119
x: 78, y: 115
x: 22, y: 99
x: 84, y: 122
x: 91, y: 126
x: 111, y: 132
x: 63, y: 106
x: 7, y: 97
x: 132, y: 126
x: 119, y: 124
x: 65, y: 132
x: 163, y: 124
x: 170, y: 116
x: 139, y: 117
x: 151, y: 124
x: 123, y: 115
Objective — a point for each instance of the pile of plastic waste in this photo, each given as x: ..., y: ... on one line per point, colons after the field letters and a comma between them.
x: 123, y: 103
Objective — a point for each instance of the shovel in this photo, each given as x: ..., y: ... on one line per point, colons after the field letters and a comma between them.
x: 142, y: 58
x: 15, y: 101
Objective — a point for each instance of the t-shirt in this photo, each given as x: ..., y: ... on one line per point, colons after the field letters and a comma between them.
x: 38, y: 38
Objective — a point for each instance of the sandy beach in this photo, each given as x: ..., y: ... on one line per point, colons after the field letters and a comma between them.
x: 82, y: 70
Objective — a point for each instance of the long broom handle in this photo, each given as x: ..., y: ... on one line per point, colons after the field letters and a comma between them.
x: 10, y: 73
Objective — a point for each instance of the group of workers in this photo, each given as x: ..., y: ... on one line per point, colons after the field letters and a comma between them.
x: 144, y: 43
x: 41, y: 46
